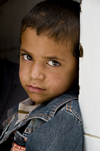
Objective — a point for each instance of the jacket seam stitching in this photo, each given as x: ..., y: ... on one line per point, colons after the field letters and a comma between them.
x: 8, y: 120
x: 61, y: 104
x: 29, y: 130
x: 40, y: 125
x: 48, y: 116
x: 75, y: 114
x: 78, y: 115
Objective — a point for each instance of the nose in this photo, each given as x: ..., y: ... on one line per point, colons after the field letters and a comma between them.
x: 36, y: 72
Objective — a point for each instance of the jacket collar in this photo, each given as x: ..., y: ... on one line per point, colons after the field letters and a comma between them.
x: 49, y: 108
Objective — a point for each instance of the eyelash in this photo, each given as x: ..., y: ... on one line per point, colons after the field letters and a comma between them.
x: 52, y: 63
x: 27, y: 59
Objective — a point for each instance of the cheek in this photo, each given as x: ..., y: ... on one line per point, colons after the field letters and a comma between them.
x: 62, y: 81
x: 22, y: 74
x: 55, y: 80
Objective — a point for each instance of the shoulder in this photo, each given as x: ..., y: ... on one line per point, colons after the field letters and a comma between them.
x: 64, y: 128
x: 74, y: 108
x: 70, y: 115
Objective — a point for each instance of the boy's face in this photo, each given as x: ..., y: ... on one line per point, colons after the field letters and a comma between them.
x: 47, y: 68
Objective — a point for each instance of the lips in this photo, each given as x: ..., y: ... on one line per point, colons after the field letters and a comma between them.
x: 35, y: 89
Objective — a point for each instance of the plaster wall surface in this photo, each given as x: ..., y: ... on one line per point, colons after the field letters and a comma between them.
x: 90, y: 74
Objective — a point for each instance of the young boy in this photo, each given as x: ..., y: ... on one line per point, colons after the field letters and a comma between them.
x: 50, y: 119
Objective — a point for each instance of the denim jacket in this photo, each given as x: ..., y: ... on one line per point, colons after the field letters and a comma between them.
x: 53, y: 126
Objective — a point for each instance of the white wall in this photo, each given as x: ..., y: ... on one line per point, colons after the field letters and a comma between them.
x: 90, y: 74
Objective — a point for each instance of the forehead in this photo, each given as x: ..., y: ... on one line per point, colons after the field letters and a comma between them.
x: 30, y: 41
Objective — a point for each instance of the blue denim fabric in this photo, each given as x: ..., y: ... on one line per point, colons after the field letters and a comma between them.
x: 53, y: 126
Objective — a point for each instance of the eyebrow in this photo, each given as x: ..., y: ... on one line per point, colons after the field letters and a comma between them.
x: 45, y: 57
x: 53, y: 58
x: 23, y: 50
x: 26, y: 52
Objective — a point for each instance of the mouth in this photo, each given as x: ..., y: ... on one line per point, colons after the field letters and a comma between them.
x: 35, y: 89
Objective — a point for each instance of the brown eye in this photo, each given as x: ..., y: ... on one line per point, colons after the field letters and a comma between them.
x: 53, y: 63
x: 27, y: 57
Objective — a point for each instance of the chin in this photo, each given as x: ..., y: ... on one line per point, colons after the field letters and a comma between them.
x: 37, y: 99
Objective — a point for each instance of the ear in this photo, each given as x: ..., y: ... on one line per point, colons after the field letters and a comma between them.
x: 80, y: 51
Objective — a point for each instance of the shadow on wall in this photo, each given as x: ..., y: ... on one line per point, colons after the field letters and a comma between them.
x: 11, y: 14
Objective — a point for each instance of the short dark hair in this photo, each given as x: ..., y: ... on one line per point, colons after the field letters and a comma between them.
x: 58, y: 19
